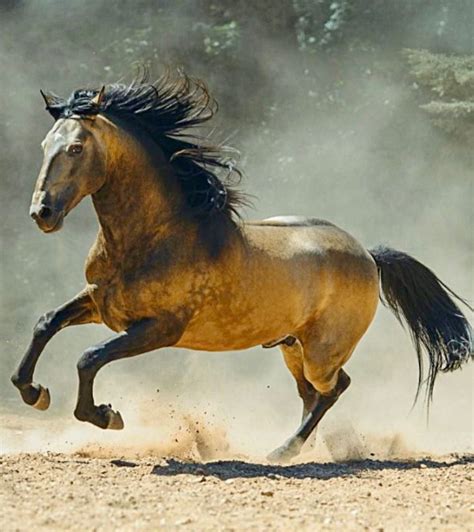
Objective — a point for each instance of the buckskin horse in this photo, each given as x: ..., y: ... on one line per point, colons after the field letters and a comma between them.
x: 173, y: 264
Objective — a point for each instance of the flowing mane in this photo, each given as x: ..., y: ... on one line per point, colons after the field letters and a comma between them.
x: 167, y: 111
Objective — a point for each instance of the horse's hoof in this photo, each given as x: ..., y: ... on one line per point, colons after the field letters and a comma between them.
x: 115, y: 421
x: 101, y: 416
x: 44, y: 399
x: 280, y: 455
x: 33, y: 394
x: 285, y: 453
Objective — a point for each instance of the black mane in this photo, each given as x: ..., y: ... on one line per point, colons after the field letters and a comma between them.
x: 167, y: 111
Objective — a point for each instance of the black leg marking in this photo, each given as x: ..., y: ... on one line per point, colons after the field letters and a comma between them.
x: 292, y: 446
x: 141, y: 337
x: 77, y: 311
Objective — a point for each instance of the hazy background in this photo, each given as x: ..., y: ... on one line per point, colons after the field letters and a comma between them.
x: 324, y: 105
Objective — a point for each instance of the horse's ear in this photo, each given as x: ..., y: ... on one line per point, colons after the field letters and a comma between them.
x: 99, y: 97
x: 47, y: 98
x: 53, y: 104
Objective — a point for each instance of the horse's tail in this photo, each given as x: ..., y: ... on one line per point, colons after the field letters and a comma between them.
x: 436, y: 324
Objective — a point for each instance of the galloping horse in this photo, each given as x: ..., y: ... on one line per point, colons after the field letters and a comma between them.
x: 174, y: 265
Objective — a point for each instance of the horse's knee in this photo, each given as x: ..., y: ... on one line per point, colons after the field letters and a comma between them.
x: 323, y: 364
x: 89, y: 361
x: 343, y: 381
x: 333, y: 383
x: 44, y: 325
x: 324, y: 380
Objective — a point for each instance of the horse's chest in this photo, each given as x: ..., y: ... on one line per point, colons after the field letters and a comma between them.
x: 108, y: 294
x: 109, y: 301
x: 124, y: 295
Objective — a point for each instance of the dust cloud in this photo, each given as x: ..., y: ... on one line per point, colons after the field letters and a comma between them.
x: 337, y: 137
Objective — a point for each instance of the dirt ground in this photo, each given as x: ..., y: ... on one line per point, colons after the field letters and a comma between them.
x: 47, y: 491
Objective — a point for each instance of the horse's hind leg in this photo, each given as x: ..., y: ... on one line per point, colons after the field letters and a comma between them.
x: 324, y: 402
x: 78, y: 310
x: 322, y: 367
x: 293, y: 356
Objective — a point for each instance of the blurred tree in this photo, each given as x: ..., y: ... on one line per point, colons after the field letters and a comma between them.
x: 451, y: 80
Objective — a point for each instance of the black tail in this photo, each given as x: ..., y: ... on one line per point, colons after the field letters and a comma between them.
x: 436, y: 323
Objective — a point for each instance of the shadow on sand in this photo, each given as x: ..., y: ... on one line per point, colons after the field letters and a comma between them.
x: 227, y: 469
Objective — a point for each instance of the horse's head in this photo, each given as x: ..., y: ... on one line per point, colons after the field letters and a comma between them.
x: 73, y: 167
x: 102, y: 138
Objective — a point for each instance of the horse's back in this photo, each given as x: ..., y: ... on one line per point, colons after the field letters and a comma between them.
x: 296, y: 237
x: 291, y: 221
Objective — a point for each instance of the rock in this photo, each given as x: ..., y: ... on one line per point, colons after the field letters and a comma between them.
x: 184, y: 521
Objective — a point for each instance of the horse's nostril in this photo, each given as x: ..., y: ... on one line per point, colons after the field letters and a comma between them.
x: 44, y: 212
x: 40, y: 213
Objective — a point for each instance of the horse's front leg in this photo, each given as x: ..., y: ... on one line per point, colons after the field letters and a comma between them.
x: 78, y: 310
x: 141, y: 337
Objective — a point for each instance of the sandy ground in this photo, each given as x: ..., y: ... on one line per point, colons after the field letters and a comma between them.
x: 185, y: 471
x: 47, y: 491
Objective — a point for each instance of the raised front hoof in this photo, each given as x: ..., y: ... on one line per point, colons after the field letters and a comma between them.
x: 36, y: 396
x: 103, y: 416
x: 44, y: 399
x: 285, y: 453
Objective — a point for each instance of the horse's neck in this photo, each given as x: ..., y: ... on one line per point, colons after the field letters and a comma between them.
x: 137, y: 203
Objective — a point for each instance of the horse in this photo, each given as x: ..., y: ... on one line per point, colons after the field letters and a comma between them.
x: 174, y: 264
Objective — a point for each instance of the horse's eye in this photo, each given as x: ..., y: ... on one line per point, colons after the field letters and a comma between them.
x: 74, y: 149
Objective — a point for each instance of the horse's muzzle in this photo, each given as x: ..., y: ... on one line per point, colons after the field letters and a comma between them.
x: 47, y: 219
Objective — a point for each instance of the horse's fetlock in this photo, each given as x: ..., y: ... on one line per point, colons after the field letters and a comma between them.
x: 16, y: 379
x: 80, y: 414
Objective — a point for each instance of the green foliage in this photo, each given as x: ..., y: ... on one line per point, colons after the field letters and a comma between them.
x: 451, y: 79
x: 447, y: 76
